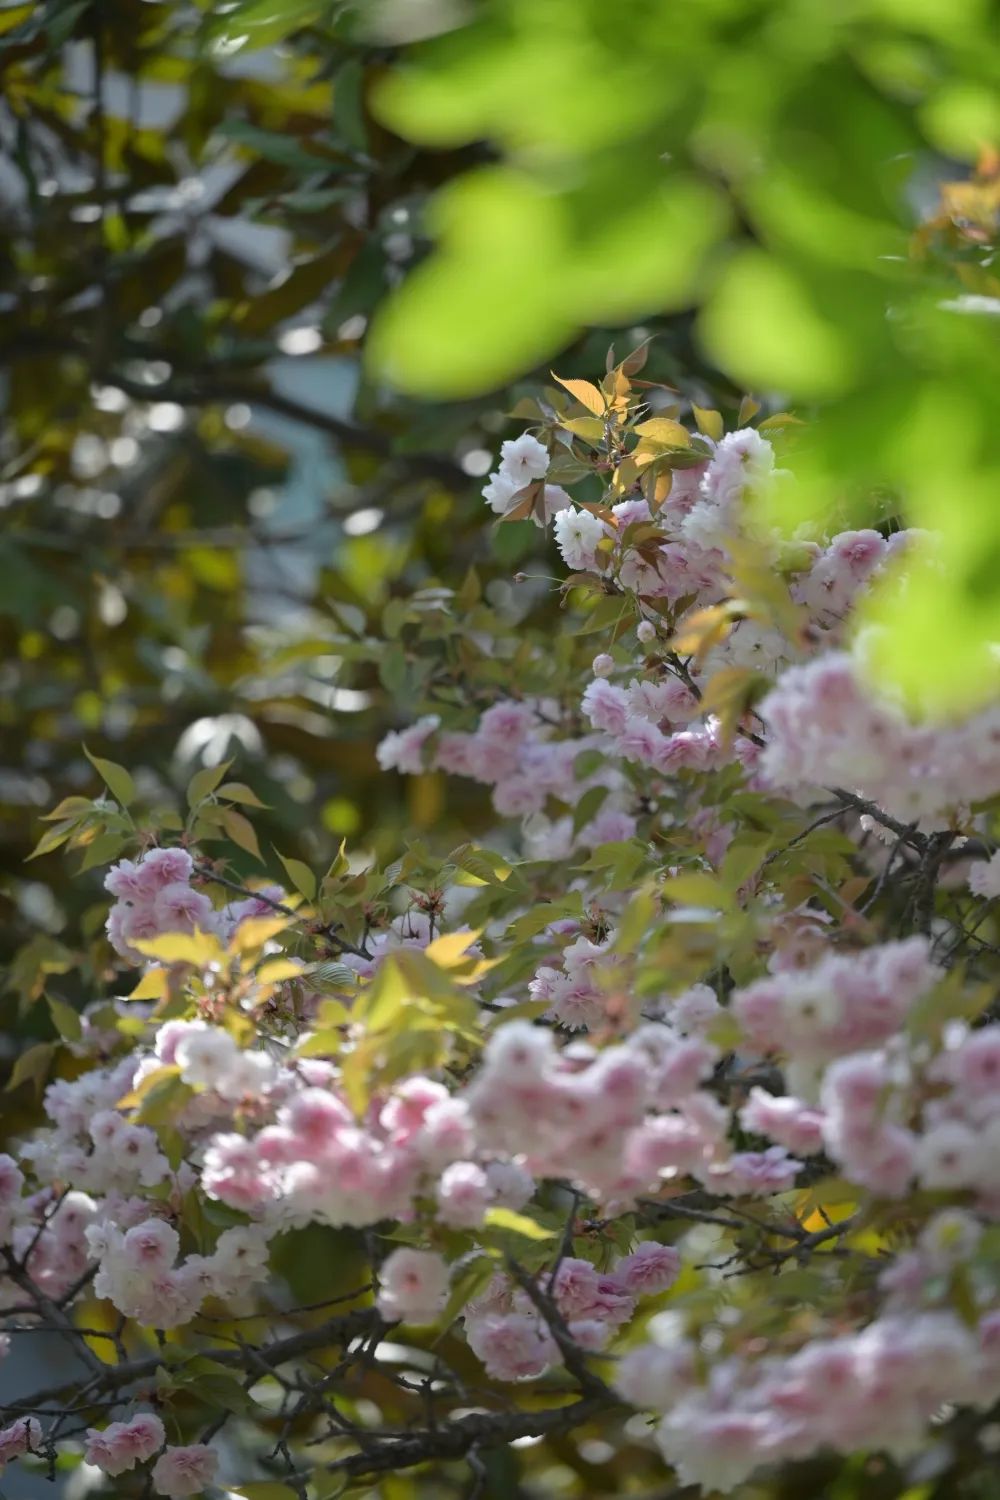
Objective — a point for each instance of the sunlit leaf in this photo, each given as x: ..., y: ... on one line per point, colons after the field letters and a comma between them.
x: 118, y: 781
x: 515, y: 1223
x: 583, y: 391
x: 198, y: 948
x: 300, y: 875
x: 204, y: 782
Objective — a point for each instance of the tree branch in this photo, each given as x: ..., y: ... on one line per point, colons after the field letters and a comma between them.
x: 117, y: 1378
x: 478, y: 1430
x: 329, y: 932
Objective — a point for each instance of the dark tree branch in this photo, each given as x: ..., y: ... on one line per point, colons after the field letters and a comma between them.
x: 903, y: 831
x: 330, y: 932
x: 478, y: 1430
x: 119, y: 1378
x: 574, y: 1358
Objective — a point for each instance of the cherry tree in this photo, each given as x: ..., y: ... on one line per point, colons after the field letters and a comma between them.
x: 666, y: 1120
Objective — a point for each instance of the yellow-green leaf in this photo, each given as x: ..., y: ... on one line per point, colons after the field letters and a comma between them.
x: 469, y: 1281
x: 115, y: 777
x: 698, y: 889
x: 385, y: 997
x: 65, y: 1019
x: 152, y: 985
x: 134, y: 1097
x: 32, y: 1066
x: 514, y: 1223
x: 204, y: 782
x: 300, y: 875
x: 709, y: 422
x: 278, y: 969
x: 324, y: 1043
x: 240, y: 830
x: 51, y: 839
x: 238, y: 791
x: 779, y: 420
x: 588, y: 428
x: 182, y: 947
x: 256, y: 931
x: 664, y: 432
x: 581, y: 390
x: 702, y: 630
x: 635, y: 921
x: 449, y: 949
x: 69, y: 807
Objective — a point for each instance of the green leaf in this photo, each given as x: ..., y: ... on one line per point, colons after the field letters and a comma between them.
x: 241, y: 831
x: 103, y: 850
x: 635, y: 922
x: 587, y: 762
x: 32, y: 1067
x: 215, y: 1386
x: 589, y: 806
x: 607, y: 615
x: 161, y: 1104
x: 51, y: 839
x: 31, y: 964
x: 65, y: 1019
x: 473, y: 1277
x: 204, y: 782
x: 768, y: 327
x: 330, y: 975
x: 481, y: 864
x: 69, y: 807
x: 300, y: 875
x: 237, y: 791
x: 392, y: 668
x: 349, y: 105
x: 264, y: 22
x: 272, y: 145
x: 531, y: 923
x: 743, y: 857
x: 115, y: 778
x: 698, y: 889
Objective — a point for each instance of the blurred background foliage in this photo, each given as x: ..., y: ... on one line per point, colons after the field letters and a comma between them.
x: 776, y: 165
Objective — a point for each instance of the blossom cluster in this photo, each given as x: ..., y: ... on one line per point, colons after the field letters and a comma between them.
x: 508, y: 1332
x: 715, y: 1058
x: 155, y: 896
x: 825, y: 727
x: 825, y: 724
x: 616, y: 1122
x: 875, y: 1389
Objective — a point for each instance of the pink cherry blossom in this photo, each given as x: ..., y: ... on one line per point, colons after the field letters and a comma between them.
x: 184, y: 1471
